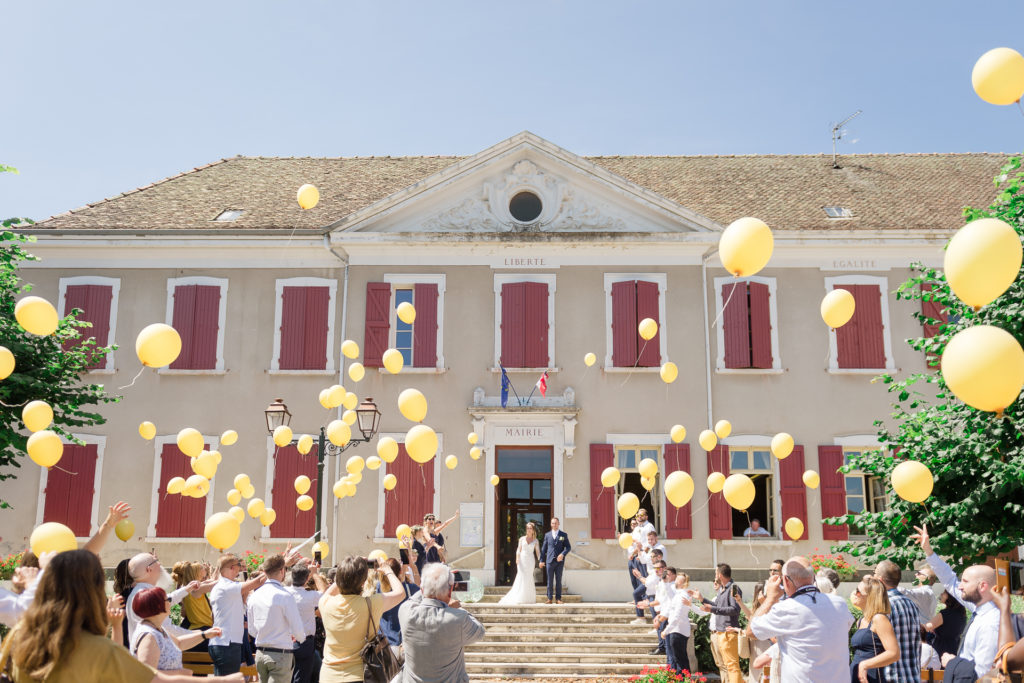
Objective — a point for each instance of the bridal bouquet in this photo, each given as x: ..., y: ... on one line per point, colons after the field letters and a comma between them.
x: 667, y: 675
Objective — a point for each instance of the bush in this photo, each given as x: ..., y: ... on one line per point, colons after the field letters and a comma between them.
x: 8, y: 565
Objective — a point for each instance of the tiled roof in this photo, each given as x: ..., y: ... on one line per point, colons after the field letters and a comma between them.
x: 899, y: 191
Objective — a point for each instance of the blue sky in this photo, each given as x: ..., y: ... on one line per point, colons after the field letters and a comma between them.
x: 105, y: 97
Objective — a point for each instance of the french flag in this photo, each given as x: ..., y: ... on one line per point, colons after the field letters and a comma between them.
x: 542, y: 384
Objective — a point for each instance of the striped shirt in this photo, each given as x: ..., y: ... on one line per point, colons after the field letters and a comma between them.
x: 906, y: 623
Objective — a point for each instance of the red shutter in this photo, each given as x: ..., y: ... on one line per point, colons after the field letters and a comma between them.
x: 678, y: 522
x: 196, y: 317
x: 932, y: 310
x: 760, y: 326
x: 719, y: 512
x: 647, y: 307
x: 69, y: 489
x: 859, y: 343
x: 178, y: 516
x: 183, y: 320
x: 289, y: 464
x: 833, y: 490
x: 513, y: 322
x: 95, y: 302
x: 293, y: 324
x: 314, y: 346
x: 791, y: 488
x: 536, y: 325
x: 602, y: 502
x: 424, y: 329
x: 624, y: 324
x: 736, y: 327
x: 378, y: 323
x: 413, y: 496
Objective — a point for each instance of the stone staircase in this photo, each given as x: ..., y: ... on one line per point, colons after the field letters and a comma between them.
x: 574, y: 640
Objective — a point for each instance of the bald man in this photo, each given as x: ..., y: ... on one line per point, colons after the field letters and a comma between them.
x: 974, y: 591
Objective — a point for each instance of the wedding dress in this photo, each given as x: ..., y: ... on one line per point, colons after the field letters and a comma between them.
x: 523, y: 591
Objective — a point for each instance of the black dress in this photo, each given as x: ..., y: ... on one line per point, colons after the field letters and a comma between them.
x: 947, y: 635
x: 865, y: 644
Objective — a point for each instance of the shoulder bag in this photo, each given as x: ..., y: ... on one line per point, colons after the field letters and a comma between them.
x: 379, y: 662
x: 1000, y: 672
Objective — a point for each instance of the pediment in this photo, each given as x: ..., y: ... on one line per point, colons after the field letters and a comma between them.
x: 561, y: 193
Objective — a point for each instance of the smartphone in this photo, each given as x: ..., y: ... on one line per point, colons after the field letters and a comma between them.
x: 245, y: 575
x: 316, y: 557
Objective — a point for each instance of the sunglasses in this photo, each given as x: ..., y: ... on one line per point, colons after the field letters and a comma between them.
x: 152, y: 563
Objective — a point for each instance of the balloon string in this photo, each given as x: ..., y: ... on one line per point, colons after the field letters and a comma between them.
x: 16, y: 405
x: 56, y: 467
x: 630, y: 374
x: 750, y: 541
x: 1021, y: 107
x: 722, y: 312
x: 132, y: 383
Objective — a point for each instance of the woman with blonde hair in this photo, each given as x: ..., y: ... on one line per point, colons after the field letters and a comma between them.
x: 196, y: 612
x: 874, y: 644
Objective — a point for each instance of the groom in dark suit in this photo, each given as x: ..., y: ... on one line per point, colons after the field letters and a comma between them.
x: 552, y: 554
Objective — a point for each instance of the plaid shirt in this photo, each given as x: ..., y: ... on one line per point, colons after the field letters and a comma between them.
x: 906, y: 623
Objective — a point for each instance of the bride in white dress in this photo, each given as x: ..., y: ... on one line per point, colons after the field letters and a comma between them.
x: 523, y: 591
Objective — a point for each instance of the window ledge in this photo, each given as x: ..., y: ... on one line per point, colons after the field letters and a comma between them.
x: 378, y: 540
x: 750, y: 371
x: 173, y: 539
x: 525, y: 370
x: 168, y: 371
x: 319, y: 373
x: 611, y: 369
x: 102, y: 371
x: 279, y: 541
x: 416, y: 371
x: 859, y: 371
x: 759, y: 541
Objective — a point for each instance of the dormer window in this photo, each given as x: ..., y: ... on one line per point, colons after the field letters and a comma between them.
x: 838, y: 212
x: 228, y: 215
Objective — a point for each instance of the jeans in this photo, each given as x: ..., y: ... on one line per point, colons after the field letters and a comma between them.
x: 675, y: 649
x: 639, y: 595
x: 636, y: 564
x: 274, y: 667
x: 227, y: 659
x: 554, y: 570
x: 307, y: 660
x: 661, y: 641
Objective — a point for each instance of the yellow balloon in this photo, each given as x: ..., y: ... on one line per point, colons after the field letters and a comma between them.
x: 707, y: 440
x: 339, y: 489
x: 589, y: 359
x: 648, y: 467
x: 36, y: 315
x: 305, y: 444
x: 355, y: 464
x: 475, y: 452
x: 324, y: 398
x: 376, y: 555
x: 746, y: 246
x: 350, y: 401
x: 176, y: 485
x: 241, y: 482
x: 355, y: 477
x: 282, y: 436
x: 811, y: 479
x: 6, y: 362
x: 205, y: 465
x: 191, y: 442
x: 610, y: 477
x: 356, y: 372
x: 255, y: 507
x: 196, y: 486
x: 669, y: 372
x: 222, y: 530
x: 229, y: 438
x: 37, y: 415
x: 627, y: 505
x: 267, y: 517
x: 350, y: 349
x: 678, y: 433
x: 723, y: 428
x: 234, y: 496
x: 339, y: 433
x: 716, y: 480
x: 837, y: 308
x: 390, y: 482
x: 739, y: 491
x: 302, y: 484
x: 413, y: 405
x: 406, y: 313
x: 451, y: 462
x: 403, y: 531
x: 387, y: 449
x: 647, y: 328
x: 52, y: 537
x: 794, y: 528
x: 998, y: 76
x: 373, y: 463
x: 217, y: 457
x: 472, y: 438
x: 147, y: 430
x: 158, y: 345
x: 304, y: 503
x: 322, y: 548
x: 124, y: 529
x: 982, y: 260
x: 336, y: 395
x: 308, y: 196
x: 647, y: 482
x: 782, y: 445
x: 421, y: 443
x: 238, y: 513
x: 679, y: 488
x: 495, y: 479
x: 625, y: 540
x: 984, y: 367
x: 393, y: 361
x: 349, y: 417
x: 912, y: 481
x: 45, y: 448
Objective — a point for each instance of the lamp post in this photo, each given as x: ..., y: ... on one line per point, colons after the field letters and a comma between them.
x: 367, y: 417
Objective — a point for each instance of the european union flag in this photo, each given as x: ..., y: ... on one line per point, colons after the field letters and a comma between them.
x: 505, y: 383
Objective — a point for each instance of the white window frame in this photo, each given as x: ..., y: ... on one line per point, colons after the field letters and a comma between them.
x: 159, y: 441
x: 773, y: 314
x: 655, y: 493
x: 380, y: 534
x: 101, y: 445
x: 115, y: 289
x: 509, y: 278
x: 833, y: 349
x: 661, y: 279
x: 641, y: 441
x: 859, y: 442
x: 752, y: 443
x: 175, y: 282
x: 332, y: 285
x: 403, y: 280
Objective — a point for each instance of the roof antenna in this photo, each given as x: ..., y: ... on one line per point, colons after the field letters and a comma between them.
x: 838, y: 133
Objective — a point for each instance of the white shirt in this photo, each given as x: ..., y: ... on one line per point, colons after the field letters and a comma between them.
x: 647, y: 558
x: 652, y: 582
x: 639, y: 534
x: 678, y: 612
x: 761, y: 531
x: 134, y: 620
x: 929, y: 657
x: 981, y: 640
x: 274, y: 619
x: 12, y: 605
x: 228, y: 611
x: 663, y: 592
x: 306, y: 601
x: 812, y: 631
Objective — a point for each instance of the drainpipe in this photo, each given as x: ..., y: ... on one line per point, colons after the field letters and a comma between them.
x: 341, y: 375
x: 707, y: 359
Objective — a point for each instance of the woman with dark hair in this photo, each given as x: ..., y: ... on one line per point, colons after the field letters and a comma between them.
x: 123, y: 584
x: 152, y: 644
x: 349, y: 617
x: 389, y: 625
x: 62, y: 637
x: 947, y: 625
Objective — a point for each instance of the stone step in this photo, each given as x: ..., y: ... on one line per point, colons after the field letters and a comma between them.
x: 553, y: 618
x: 611, y: 631
x: 594, y: 658
x: 541, y: 610
x: 583, y: 639
x: 486, y: 647
x: 490, y: 598
x: 571, y: 671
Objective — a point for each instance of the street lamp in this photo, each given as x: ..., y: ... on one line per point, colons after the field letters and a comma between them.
x: 367, y: 417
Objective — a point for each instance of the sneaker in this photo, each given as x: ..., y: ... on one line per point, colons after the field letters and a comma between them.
x: 653, y: 632
x: 639, y: 621
x: 656, y: 651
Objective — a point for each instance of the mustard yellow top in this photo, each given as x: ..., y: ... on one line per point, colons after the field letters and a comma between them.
x: 345, y: 624
x: 96, y: 659
x: 198, y: 611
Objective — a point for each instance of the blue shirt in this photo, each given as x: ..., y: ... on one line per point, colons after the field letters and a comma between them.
x: 389, y: 625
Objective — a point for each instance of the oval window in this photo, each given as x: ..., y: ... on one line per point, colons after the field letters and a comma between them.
x: 525, y: 207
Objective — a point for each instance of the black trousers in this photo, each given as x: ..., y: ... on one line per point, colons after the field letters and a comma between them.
x: 306, y: 661
x: 554, y: 570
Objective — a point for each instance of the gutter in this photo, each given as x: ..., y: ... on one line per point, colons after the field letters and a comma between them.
x: 707, y: 358
x: 341, y: 374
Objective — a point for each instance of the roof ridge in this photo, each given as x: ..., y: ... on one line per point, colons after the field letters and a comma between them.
x: 790, y: 156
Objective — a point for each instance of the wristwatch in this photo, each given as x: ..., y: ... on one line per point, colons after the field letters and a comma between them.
x: 205, y: 637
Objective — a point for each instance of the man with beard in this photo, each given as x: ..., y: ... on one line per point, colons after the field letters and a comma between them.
x: 147, y: 572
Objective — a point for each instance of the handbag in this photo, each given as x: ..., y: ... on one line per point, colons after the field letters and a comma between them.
x: 1000, y: 672
x: 379, y: 662
x: 744, y: 646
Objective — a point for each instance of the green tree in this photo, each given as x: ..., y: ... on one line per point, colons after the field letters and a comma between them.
x: 976, y: 507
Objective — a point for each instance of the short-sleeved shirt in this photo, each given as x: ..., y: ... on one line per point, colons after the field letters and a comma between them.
x: 197, y: 611
x: 96, y: 659
x: 228, y: 611
x: 345, y: 624
x: 307, y: 602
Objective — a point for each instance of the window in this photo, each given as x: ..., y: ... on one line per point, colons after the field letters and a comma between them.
x: 747, y: 333
x: 629, y: 298
x: 837, y: 212
x: 419, y: 342
x: 756, y: 463
x: 285, y: 464
x: 416, y: 493
x: 863, y: 343
x: 228, y: 215
x: 68, y: 492
x: 864, y: 492
x: 626, y: 459
x: 304, y: 325
x: 403, y: 330
x: 173, y: 515
x: 525, y: 207
x: 524, y: 321
x: 196, y: 308
x: 97, y: 298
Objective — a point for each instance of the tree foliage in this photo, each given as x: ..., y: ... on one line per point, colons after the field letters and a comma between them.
x: 977, y: 505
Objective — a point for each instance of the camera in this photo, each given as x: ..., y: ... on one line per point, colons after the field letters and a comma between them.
x: 461, y: 581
